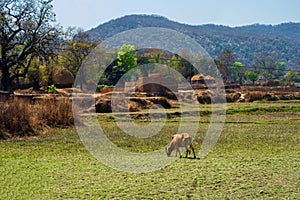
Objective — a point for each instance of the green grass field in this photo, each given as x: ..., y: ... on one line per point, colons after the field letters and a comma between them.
x: 256, y: 157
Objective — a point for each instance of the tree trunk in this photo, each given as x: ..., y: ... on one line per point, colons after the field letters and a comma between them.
x: 6, y: 80
x: 36, y: 85
x: 241, y: 80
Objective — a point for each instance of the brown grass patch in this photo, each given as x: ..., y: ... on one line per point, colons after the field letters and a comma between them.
x: 19, y: 119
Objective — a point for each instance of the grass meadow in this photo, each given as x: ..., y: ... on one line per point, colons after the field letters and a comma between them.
x: 256, y: 157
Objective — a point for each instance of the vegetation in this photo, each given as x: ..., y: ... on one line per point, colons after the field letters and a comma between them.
x: 252, y: 76
x: 51, y: 89
x: 74, y: 50
x: 256, y: 157
x: 18, y: 118
x: 238, y: 70
x: 126, y: 60
x: 292, y: 75
x: 30, y: 41
x: 27, y: 61
x: 105, y: 86
x: 224, y: 62
x: 27, y: 32
x: 246, y: 42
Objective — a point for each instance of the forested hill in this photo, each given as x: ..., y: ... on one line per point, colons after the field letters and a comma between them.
x: 280, y: 41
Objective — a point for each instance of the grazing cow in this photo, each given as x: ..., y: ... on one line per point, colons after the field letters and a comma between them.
x: 180, y: 140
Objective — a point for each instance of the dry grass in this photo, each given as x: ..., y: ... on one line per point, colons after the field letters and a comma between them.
x: 55, y: 113
x: 19, y: 119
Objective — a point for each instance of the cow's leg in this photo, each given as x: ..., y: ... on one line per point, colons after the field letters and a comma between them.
x: 193, y: 150
x: 177, y: 150
x: 187, y: 152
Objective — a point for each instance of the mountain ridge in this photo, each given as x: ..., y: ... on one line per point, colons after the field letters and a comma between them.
x: 281, y: 40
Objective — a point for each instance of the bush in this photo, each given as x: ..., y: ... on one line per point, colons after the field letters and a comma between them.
x: 17, y: 119
x: 20, y: 119
x: 55, y: 113
x: 51, y: 89
x: 105, y: 86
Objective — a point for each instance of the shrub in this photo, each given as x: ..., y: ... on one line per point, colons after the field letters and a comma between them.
x: 105, y: 86
x: 19, y: 119
x: 55, y: 113
x: 51, y: 89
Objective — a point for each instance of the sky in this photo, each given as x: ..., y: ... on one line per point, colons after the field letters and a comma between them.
x: 89, y: 14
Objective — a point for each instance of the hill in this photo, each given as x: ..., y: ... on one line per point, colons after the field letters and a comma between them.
x: 281, y: 41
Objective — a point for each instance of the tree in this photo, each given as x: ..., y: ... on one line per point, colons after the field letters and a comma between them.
x: 224, y: 62
x: 280, y: 70
x: 238, y: 72
x: 75, y: 49
x: 127, y: 57
x: 183, y: 66
x: 252, y: 76
x: 26, y: 32
x: 126, y: 60
x: 291, y: 75
x: 34, y: 74
x: 265, y: 65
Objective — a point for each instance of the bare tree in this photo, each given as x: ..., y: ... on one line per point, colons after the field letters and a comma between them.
x: 224, y: 62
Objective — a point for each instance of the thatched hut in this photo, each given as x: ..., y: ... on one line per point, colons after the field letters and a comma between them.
x: 209, y: 79
x: 62, y: 77
x: 198, y: 79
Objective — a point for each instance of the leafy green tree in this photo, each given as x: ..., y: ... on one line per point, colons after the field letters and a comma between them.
x: 126, y: 60
x: 291, y: 75
x: 280, y: 70
x: 127, y: 57
x: 27, y: 31
x: 268, y: 76
x: 252, y: 76
x: 238, y: 72
x: 51, y: 89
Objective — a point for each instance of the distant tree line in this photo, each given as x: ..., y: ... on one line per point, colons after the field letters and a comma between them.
x: 32, y: 45
x: 246, y: 42
x: 265, y: 67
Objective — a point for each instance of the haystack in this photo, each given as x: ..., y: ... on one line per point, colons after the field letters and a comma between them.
x: 62, y: 77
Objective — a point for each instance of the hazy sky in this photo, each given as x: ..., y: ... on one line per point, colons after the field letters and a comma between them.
x: 88, y: 14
